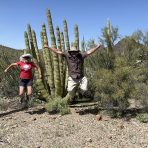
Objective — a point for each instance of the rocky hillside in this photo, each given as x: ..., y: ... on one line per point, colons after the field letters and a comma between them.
x: 7, y: 56
x: 9, y: 53
x: 126, y: 43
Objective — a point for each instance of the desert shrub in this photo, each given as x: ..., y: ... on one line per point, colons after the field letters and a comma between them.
x: 140, y: 93
x: 143, y: 117
x: 99, y: 60
x: 3, y: 105
x: 58, y: 105
x: 113, y: 88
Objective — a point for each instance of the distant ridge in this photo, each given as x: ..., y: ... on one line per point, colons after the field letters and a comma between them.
x: 8, y: 53
x: 6, y: 47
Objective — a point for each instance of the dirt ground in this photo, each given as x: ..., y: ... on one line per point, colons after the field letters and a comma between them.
x: 35, y: 128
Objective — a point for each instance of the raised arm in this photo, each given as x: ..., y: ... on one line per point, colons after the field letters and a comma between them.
x: 89, y: 52
x: 12, y: 65
x: 57, y: 51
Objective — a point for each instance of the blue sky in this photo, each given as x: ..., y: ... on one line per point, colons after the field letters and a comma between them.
x: 90, y: 15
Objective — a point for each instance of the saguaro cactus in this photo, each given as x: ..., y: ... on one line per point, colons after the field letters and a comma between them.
x: 108, y: 38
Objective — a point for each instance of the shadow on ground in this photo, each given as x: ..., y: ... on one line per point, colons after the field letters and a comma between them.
x: 11, y: 112
x: 37, y: 111
x: 113, y: 112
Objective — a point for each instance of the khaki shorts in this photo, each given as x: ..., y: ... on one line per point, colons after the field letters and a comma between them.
x: 74, y: 85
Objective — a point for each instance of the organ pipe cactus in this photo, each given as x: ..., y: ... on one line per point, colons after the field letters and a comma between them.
x: 57, y: 80
x: 76, y: 31
x: 60, y: 57
x: 27, y: 50
x: 31, y: 41
x: 108, y: 38
x: 35, y: 46
x: 42, y: 92
x: 83, y: 45
x: 48, y: 62
x: 66, y: 35
x: 65, y: 70
x: 54, y: 69
x: 44, y: 73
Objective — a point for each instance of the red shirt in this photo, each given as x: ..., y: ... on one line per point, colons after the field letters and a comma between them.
x: 26, y: 69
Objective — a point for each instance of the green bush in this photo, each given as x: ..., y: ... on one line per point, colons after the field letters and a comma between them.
x: 113, y: 88
x: 140, y: 92
x: 3, y: 105
x: 143, y: 117
x: 58, y: 105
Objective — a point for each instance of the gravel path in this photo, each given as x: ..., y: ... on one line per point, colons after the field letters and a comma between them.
x: 35, y: 128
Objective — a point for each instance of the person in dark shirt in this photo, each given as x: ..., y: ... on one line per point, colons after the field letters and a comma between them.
x: 75, y: 61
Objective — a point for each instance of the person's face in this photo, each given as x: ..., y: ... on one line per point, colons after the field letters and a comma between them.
x: 73, y: 52
x: 27, y: 59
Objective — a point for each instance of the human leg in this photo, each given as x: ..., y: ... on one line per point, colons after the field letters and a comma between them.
x: 83, y: 87
x: 21, y: 90
x: 83, y: 84
x: 72, y: 88
x: 29, y: 84
x: 21, y: 94
x: 29, y: 90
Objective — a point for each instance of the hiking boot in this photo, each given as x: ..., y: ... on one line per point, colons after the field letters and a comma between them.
x: 72, y: 101
x: 22, y: 99
x: 26, y: 101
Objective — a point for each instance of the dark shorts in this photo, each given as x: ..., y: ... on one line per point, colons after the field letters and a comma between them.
x: 25, y: 82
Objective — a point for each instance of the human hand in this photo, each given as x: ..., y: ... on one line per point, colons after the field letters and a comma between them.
x: 40, y: 76
x: 99, y: 45
x: 5, y: 70
x: 45, y: 46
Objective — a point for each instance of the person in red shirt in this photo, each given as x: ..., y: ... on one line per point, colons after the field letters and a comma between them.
x: 26, y: 79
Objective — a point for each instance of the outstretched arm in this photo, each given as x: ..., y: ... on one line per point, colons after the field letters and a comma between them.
x: 57, y: 51
x: 12, y: 65
x: 89, y: 52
